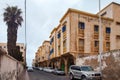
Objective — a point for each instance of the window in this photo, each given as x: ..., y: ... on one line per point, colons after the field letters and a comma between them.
x: 21, y: 47
x: 75, y: 67
x: 81, y: 42
x: 86, y: 68
x: 64, y: 28
x: 108, y: 30
x: 42, y: 57
x: 118, y: 37
x: 103, y: 14
x: 51, y: 51
x: 59, y: 48
x: 59, y: 35
x: 81, y: 25
x: 52, y: 39
x: 118, y: 23
x: 96, y: 28
x: 96, y: 44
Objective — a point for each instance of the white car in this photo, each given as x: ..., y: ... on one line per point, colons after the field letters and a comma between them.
x: 58, y: 72
x: 48, y: 69
x: 30, y: 69
x: 40, y: 68
x: 83, y: 73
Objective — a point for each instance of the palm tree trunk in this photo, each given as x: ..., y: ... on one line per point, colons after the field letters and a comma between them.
x: 12, y: 38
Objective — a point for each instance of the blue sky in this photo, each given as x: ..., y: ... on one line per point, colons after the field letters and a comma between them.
x: 42, y: 17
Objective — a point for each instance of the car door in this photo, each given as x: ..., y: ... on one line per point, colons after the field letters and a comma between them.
x: 78, y: 72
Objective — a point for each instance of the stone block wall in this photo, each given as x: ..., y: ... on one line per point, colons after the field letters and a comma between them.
x: 110, y: 64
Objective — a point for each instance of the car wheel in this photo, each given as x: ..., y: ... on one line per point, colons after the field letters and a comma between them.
x: 83, y: 78
x: 71, y: 77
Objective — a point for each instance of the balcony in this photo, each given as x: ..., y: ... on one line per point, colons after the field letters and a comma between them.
x: 59, y: 53
x: 96, y: 35
x: 81, y: 48
x: 59, y: 40
x: 107, y: 48
x: 107, y: 37
x: 81, y: 32
x: 52, y: 45
x: 96, y: 49
x: 64, y: 49
x: 64, y: 35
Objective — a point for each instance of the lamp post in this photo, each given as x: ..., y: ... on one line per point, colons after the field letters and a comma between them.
x: 100, y: 39
x: 25, y: 33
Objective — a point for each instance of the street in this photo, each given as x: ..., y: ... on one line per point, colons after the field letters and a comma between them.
x: 41, y: 75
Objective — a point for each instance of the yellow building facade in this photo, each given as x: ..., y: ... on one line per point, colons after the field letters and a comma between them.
x: 42, y: 54
x: 78, y: 35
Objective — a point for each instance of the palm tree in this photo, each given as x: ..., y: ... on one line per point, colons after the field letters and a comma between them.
x: 13, y: 19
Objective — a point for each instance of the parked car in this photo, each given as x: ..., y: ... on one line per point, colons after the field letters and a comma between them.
x: 58, y: 72
x: 41, y: 68
x: 83, y: 73
x: 30, y: 69
x: 48, y: 69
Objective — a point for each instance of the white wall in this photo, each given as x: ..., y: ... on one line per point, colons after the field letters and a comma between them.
x: 10, y: 68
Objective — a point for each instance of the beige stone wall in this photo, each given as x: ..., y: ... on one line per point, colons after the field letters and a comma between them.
x: 66, y: 21
x: 10, y: 69
x: 73, y: 31
x: 110, y: 64
x: 53, y: 35
x: 112, y: 11
x: 88, y: 37
x: 46, y: 51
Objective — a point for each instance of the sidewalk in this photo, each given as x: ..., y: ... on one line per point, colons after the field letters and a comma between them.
x: 24, y: 76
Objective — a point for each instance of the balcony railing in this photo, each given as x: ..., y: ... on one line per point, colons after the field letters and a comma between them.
x: 107, y: 37
x: 64, y: 49
x: 107, y: 48
x: 96, y: 49
x: 81, y: 32
x: 59, y: 41
x: 64, y: 34
x: 96, y: 35
x: 81, y: 48
x: 58, y: 52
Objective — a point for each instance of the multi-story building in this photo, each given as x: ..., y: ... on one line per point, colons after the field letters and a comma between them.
x: 20, y: 45
x: 78, y: 35
x: 42, y: 54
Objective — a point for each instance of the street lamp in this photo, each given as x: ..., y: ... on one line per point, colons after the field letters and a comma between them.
x: 25, y: 33
x: 100, y: 39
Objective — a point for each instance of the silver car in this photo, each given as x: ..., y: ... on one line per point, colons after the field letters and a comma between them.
x: 83, y: 73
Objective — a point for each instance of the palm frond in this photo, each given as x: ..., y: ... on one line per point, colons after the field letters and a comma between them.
x: 13, y: 14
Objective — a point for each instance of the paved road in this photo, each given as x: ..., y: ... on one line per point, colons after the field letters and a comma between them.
x: 41, y: 75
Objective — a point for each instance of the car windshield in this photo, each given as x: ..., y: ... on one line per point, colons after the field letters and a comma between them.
x: 86, y: 68
x: 59, y: 69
